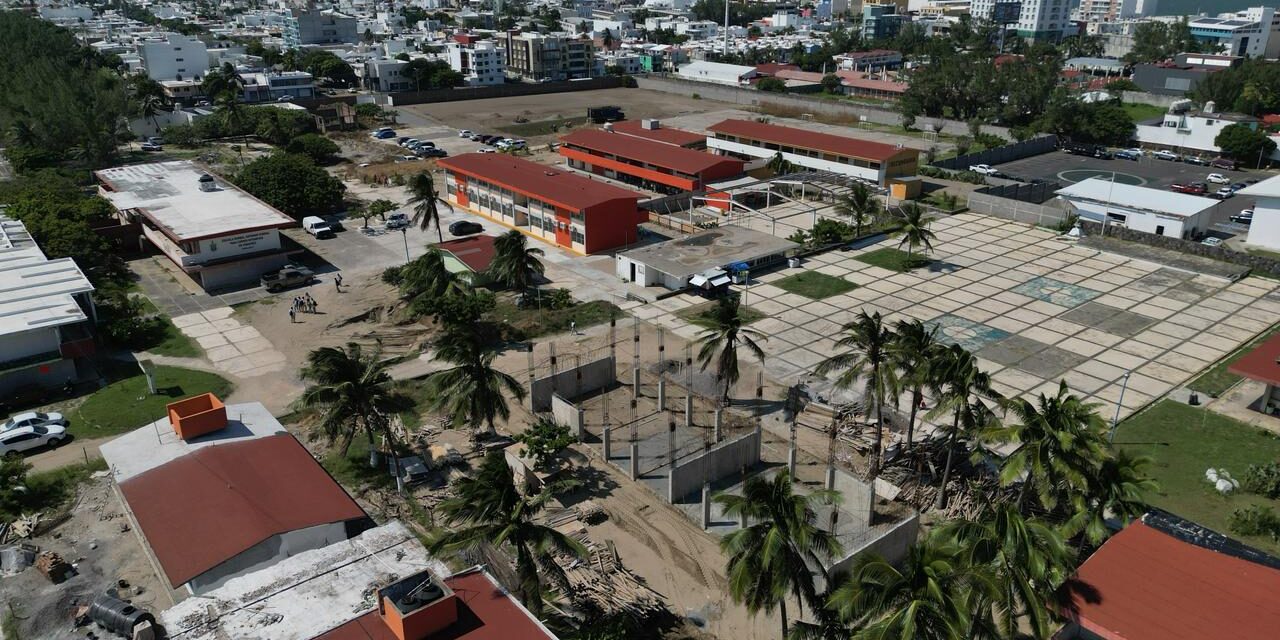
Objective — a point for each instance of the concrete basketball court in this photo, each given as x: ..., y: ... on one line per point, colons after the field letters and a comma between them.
x: 1034, y: 309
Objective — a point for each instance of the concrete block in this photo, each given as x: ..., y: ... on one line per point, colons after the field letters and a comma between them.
x: 635, y: 461
x: 719, y: 424
x: 662, y: 394
x: 706, y: 505
x: 688, y: 410
x: 607, y: 453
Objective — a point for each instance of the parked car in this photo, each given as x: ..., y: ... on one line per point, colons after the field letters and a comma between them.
x: 1196, y: 160
x: 1224, y: 193
x: 433, y: 152
x: 1194, y: 188
x: 15, y: 441
x: 383, y: 134
x: 426, y: 144
x: 465, y: 133
x: 402, y: 140
x: 397, y: 221
x: 465, y: 228
x: 288, y: 276
x: 1223, y: 163
x: 1238, y: 186
x: 155, y: 140
x: 410, y: 142
x: 488, y: 150
x: 316, y: 226
x: 475, y: 137
x: 32, y: 419
x: 984, y: 169
x: 1166, y: 155
x: 1129, y: 154
x: 1211, y: 241
x: 1102, y: 153
x: 1245, y: 217
x: 151, y: 146
x: 1218, y: 178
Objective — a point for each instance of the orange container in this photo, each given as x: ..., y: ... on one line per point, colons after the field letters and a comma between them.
x: 197, y: 416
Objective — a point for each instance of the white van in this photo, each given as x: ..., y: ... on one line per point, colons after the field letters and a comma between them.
x: 317, y: 227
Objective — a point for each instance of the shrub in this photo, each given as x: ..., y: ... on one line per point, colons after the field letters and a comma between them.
x: 393, y: 275
x: 320, y: 149
x: 1255, y: 520
x: 543, y: 440
x: 799, y: 237
x: 1263, y: 480
x: 292, y: 183
x: 560, y: 299
x: 181, y: 135
x: 828, y: 231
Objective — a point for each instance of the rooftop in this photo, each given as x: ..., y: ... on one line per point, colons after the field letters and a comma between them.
x: 1153, y: 581
x: 168, y: 193
x: 1261, y: 364
x: 1269, y: 188
x: 1099, y: 191
x: 657, y: 154
x: 851, y: 147
x: 247, y: 491
x: 696, y: 253
x: 663, y: 133
x: 473, y: 251
x: 35, y: 291
x: 540, y: 181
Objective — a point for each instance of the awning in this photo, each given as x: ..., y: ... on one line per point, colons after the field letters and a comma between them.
x: 710, y: 279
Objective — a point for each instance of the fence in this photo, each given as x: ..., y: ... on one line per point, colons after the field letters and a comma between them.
x: 998, y: 155
x: 1017, y: 211
x: 1036, y: 193
x: 504, y: 91
x: 1191, y: 247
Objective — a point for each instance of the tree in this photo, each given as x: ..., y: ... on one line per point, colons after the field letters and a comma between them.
x: 471, y: 391
x: 865, y: 358
x: 353, y: 392
x: 961, y: 388
x: 14, y: 493
x: 222, y: 82
x: 427, y: 279
x: 926, y: 599
x: 426, y: 213
x: 1058, y: 439
x: 490, y: 509
x: 1116, y: 489
x: 770, y: 557
x: 724, y: 332
x: 831, y: 83
x: 515, y: 264
x: 779, y: 165
x: 772, y: 85
x: 1245, y: 144
x: 320, y: 149
x: 860, y: 204
x: 291, y: 183
x: 377, y: 209
x: 151, y: 106
x: 914, y: 231
x: 607, y: 39
x: 543, y: 440
x: 431, y: 74
x: 1027, y: 560
x: 913, y: 352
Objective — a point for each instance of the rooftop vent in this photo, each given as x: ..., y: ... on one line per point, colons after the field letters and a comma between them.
x: 197, y: 416
x: 608, y: 126
x: 417, y: 606
x: 207, y: 183
x: 652, y: 124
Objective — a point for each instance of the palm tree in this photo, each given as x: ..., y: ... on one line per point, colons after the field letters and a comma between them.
x: 515, y: 264
x: 866, y: 358
x: 779, y: 165
x: 151, y: 106
x: 724, y: 331
x: 914, y: 231
x: 860, y: 205
x: 426, y: 212
x: 1116, y: 488
x: 927, y: 597
x: 1027, y: 559
x: 961, y: 387
x: 231, y: 112
x: 471, y: 391
x: 1059, y: 438
x: 491, y: 510
x: 428, y: 276
x: 913, y: 351
x: 353, y: 392
x: 771, y: 556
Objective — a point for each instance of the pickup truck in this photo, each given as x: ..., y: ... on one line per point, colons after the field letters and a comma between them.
x: 984, y: 169
x: 288, y: 276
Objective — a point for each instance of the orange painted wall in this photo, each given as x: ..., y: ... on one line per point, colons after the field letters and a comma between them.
x: 197, y: 415
x: 420, y: 624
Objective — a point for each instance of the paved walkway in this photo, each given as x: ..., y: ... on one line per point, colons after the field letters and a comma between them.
x: 175, y: 294
x: 231, y: 346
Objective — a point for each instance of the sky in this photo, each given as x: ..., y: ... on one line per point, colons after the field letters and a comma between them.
x: 1192, y: 7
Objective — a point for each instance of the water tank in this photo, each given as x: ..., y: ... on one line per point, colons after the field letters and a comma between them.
x: 117, y: 616
x: 1210, y: 107
x: 207, y: 183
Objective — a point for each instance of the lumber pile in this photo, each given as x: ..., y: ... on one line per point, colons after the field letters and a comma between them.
x: 599, y: 579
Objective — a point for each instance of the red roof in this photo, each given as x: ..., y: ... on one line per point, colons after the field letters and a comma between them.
x: 1261, y: 363
x: 245, y: 491
x: 657, y: 154
x: 541, y: 181
x: 485, y: 612
x: 772, y: 68
x: 678, y: 137
x: 1144, y: 583
x: 474, y: 251
x: 840, y: 145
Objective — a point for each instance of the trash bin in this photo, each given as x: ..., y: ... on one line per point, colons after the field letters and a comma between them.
x: 794, y: 263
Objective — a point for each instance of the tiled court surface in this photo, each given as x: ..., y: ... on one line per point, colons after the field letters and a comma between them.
x: 1033, y: 308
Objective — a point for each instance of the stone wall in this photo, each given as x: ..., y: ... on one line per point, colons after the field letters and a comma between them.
x: 505, y: 91
x: 1190, y: 247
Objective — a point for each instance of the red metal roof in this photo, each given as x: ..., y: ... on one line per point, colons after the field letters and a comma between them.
x: 655, y: 153
x: 851, y: 147
x: 474, y: 251
x: 212, y: 504
x: 541, y: 181
x: 772, y: 68
x: 663, y: 133
x: 1144, y: 583
x: 1261, y: 363
x: 485, y: 612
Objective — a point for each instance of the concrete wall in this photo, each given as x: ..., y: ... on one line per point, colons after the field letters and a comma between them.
x: 504, y: 91
x: 269, y: 552
x: 596, y: 374
x: 1045, y: 215
x: 857, y: 497
x: 892, y: 545
x: 1142, y: 97
x: 566, y: 413
x: 725, y: 459
x: 25, y: 344
x: 51, y: 375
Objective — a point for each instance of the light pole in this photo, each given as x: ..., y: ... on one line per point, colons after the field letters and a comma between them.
x: 1116, y: 419
x: 404, y: 233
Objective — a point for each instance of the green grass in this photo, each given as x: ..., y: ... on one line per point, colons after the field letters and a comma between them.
x: 525, y: 324
x: 814, y: 284
x: 126, y: 404
x: 894, y: 260
x: 1217, y: 379
x: 169, y: 340
x: 1184, y: 441
x: 543, y: 127
x: 1140, y: 112
x: 352, y: 470
x: 700, y: 314
x: 54, y: 489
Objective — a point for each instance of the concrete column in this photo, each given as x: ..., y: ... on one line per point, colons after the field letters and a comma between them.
x: 791, y: 461
x: 635, y: 461
x: 688, y: 410
x: 719, y: 423
x: 671, y: 439
x: 582, y: 424
x: 706, y: 505
x: 635, y: 383
x: 607, y: 453
x: 662, y: 394
x: 831, y: 477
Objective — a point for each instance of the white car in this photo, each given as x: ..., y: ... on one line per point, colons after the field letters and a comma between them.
x: 1211, y: 241
x: 487, y: 150
x: 14, y: 441
x: 465, y: 133
x: 1218, y: 178
x: 32, y: 419
x: 1166, y: 155
x: 984, y: 169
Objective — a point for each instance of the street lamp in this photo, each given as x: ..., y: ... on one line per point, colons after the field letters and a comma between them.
x: 1116, y: 419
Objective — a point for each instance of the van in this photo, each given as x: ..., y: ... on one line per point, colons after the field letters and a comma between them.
x: 1223, y: 163
x: 317, y: 227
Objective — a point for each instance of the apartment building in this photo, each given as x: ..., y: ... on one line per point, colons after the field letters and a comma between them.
x: 1037, y: 20
x: 647, y: 164
x: 385, y: 75
x: 481, y: 63
x: 174, y: 56
x: 1110, y: 10
x: 315, y: 27
x: 1252, y: 33
x: 537, y: 57
x: 277, y: 85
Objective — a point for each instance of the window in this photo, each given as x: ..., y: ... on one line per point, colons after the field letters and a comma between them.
x: 576, y: 235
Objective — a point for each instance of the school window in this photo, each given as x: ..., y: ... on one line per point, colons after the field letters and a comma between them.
x: 577, y: 236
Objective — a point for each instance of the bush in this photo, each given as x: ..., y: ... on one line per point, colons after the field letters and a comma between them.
x: 543, y: 440
x: 293, y: 184
x: 828, y: 231
x: 989, y: 140
x: 320, y: 149
x: 1255, y: 520
x: 1263, y: 480
x: 125, y: 320
x: 181, y: 135
x: 27, y: 159
x: 393, y: 275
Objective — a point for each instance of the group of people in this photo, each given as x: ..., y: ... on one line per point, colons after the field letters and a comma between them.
x: 304, y: 304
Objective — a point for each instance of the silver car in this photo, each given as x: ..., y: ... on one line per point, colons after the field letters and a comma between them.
x: 14, y: 441
x: 32, y: 419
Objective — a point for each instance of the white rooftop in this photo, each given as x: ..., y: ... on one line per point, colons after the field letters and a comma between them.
x: 35, y: 291
x: 148, y: 447
x: 305, y: 595
x: 169, y: 195
x: 1269, y: 188
x: 1099, y: 191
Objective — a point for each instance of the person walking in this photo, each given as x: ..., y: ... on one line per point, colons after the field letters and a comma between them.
x: 337, y: 282
x: 292, y: 318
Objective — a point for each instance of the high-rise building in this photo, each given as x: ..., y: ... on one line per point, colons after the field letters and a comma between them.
x: 881, y: 21
x: 1253, y: 32
x: 1037, y: 20
x: 480, y: 62
x: 310, y: 26
x: 1111, y: 10
x: 174, y: 56
x: 538, y: 57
